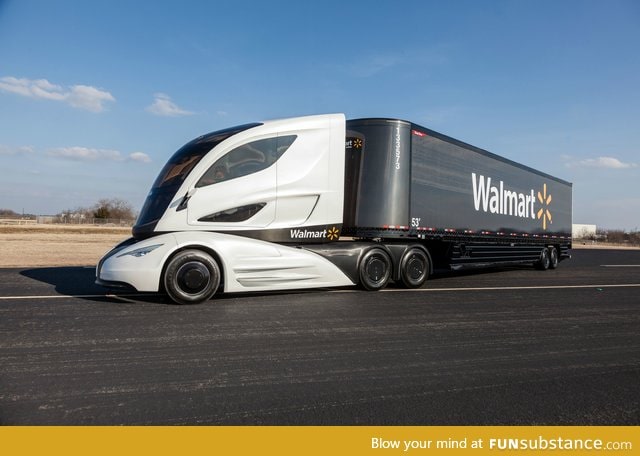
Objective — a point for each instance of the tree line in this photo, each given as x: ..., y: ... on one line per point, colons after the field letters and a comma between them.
x: 105, y: 208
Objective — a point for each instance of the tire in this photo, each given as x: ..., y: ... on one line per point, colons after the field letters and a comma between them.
x: 374, y: 269
x: 414, y: 268
x: 553, y: 258
x: 191, y: 277
x: 544, y: 261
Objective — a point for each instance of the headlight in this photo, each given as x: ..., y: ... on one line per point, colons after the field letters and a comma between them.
x: 142, y: 251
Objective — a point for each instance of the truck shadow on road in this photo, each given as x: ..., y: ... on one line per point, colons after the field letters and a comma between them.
x: 79, y: 281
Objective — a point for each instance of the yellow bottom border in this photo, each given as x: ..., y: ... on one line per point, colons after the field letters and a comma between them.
x: 317, y: 440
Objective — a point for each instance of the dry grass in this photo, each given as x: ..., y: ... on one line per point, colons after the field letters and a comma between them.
x: 56, y: 245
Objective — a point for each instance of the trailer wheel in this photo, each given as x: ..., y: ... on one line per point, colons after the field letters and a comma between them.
x: 553, y: 258
x: 191, y: 277
x: 375, y: 269
x: 544, y: 261
x: 414, y: 268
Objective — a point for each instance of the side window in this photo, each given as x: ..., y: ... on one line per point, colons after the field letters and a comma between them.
x: 246, y: 159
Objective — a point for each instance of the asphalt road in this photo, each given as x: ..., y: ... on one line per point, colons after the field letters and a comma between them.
x: 516, y: 346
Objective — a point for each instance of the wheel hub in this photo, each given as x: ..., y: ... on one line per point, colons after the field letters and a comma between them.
x: 193, y: 277
x: 415, y: 268
x: 376, y: 269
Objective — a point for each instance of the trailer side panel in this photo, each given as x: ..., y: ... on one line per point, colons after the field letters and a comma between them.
x: 458, y: 189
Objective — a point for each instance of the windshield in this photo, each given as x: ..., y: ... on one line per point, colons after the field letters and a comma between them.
x: 173, y: 175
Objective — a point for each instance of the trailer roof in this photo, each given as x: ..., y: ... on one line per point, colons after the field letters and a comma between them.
x: 459, y: 143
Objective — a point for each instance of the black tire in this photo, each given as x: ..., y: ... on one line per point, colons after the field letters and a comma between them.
x: 414, y: 268
x: 553, y: 258
x: 191, y: 277
x: 544, y: 261
x: 374, y: 269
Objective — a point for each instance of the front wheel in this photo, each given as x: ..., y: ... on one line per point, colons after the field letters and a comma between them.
x: 375, y: 269
x: 191, y: 277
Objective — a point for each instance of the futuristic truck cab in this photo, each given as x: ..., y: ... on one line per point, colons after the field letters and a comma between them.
x: 267, y: 206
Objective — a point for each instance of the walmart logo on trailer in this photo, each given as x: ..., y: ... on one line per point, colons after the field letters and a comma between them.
x: 498, y: 199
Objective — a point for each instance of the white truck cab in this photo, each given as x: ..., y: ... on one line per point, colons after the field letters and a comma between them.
x: 224, y: 204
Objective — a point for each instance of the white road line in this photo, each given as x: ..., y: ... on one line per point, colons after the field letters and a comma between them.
x: 386, y: 290
x: 620, y: 265
x: 540, y: 287
x: 75, y: 296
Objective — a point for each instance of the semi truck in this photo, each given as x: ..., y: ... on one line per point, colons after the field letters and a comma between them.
x: 321, y: 201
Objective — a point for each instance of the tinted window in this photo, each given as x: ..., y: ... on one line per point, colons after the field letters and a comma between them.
x: 246, y: 159
x: 188, y: 156
x: 237, y: 214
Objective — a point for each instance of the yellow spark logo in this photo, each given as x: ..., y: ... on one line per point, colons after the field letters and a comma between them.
x: 543, y: 212
x: 357, y: 143
x: 333, y: 234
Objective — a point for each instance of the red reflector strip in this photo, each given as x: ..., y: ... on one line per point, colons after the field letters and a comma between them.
x: 395, y: 227
x: 419, y: 133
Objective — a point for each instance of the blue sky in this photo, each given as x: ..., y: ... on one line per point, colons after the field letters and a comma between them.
x: 96, y: 95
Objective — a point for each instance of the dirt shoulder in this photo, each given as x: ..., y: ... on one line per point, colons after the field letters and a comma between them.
x: 578, y: 245
x: 56, y: 245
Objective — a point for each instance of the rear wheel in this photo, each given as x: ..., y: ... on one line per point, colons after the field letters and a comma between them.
x: 375, y: 269
x: 191, y: 277
x: 414, y: 268
x: 544, y: 261
x: 553, y: 258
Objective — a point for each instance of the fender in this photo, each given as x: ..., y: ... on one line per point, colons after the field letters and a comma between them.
x: 247, y: 264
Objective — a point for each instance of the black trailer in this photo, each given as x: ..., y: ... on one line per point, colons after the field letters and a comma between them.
x: 406, y: 185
